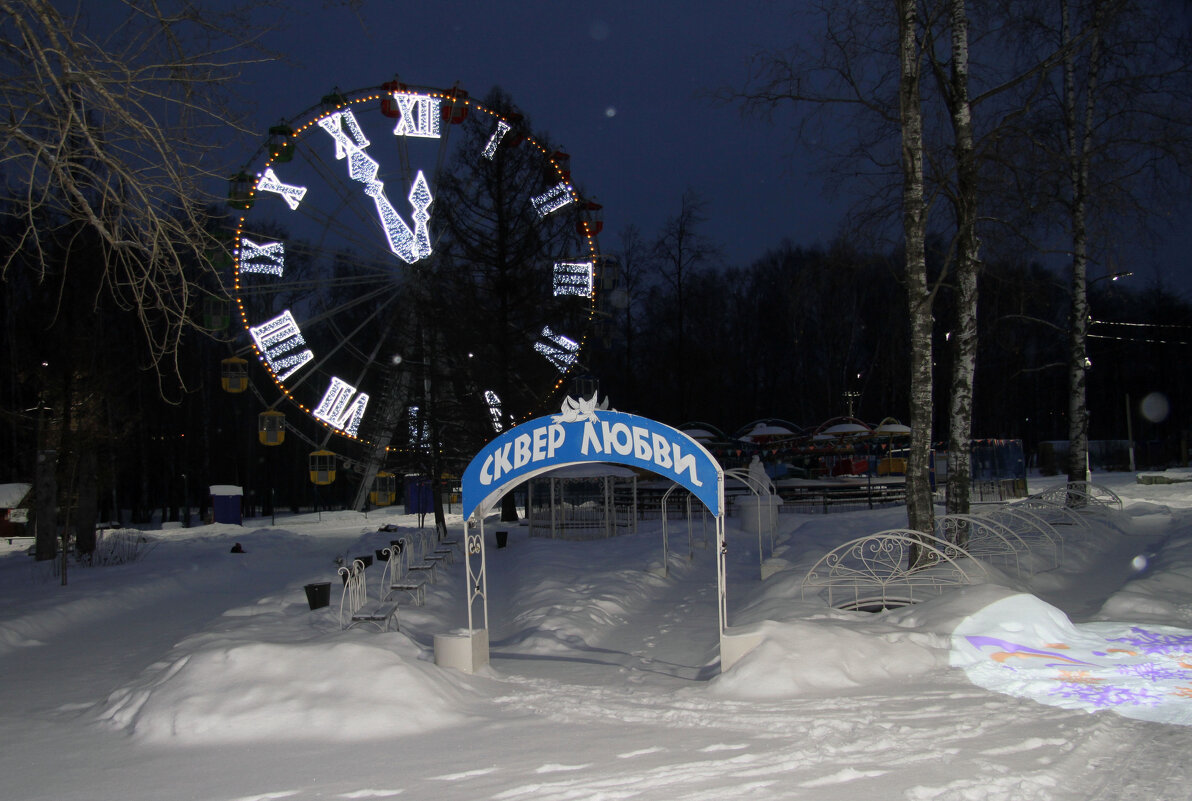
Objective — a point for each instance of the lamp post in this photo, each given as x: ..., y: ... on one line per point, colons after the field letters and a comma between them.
x: 185, y: 501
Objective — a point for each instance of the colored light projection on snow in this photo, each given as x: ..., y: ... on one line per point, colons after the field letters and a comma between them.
x: 1024, y: 647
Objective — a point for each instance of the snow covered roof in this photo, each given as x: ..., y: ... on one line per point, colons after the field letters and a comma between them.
x: 846, y: 430
x: 765, y: 430
x: 226, y: 489
x: 11, y: 495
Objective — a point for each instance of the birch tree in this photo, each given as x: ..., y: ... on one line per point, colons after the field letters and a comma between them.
x: 920, y: 511
x: 1103, y: 155
x: 954, y: 87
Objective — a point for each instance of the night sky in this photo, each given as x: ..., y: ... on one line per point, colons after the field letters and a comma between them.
x: 624, y: 87
x: 621, y: 86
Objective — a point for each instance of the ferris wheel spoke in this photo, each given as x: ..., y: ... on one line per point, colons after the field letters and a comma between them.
x: 342, y: 339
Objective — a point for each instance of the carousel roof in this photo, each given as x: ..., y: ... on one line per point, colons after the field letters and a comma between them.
x: 765, y: 430
x: 847, y: 430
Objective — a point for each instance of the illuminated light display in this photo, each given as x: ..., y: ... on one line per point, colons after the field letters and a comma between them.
x: 418, y: 427
x: 335, y: 212
x: 494, y: 409
x: 494, y: 141
x: 291, y: 194
x: 553, y: 199
x: 346, y: 132
x: 420, y: 200
x: 277, y: 340
x: 424, y: 123
x: 338, y: 408
x: 269, y: 258
x: 573, y: 278
x: 409, y: 246
x: 1137, y: 671
x: 559, y: 350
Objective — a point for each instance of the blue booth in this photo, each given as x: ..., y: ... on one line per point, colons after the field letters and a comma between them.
x: 225, y: 502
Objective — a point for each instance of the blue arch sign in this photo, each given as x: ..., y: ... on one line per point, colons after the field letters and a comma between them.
x: 583, y: 433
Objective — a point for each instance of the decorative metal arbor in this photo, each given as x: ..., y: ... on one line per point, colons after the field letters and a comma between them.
x: 582, y: 433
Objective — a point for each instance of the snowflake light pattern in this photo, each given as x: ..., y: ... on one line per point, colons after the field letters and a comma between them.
x: 1151, y: 642
x: 1102, y: 696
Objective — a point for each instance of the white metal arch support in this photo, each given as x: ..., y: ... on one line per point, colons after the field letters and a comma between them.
x: 763, y: 491
x: 665, y: 513
x: 581, y: 433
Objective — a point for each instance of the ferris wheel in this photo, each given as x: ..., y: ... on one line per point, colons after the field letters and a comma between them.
x: 412, y: 265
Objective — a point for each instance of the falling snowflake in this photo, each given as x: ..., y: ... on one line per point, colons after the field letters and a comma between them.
x: 1151, y: 642
x: 1103, y: 696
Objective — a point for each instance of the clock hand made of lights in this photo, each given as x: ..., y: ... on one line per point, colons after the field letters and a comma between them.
x: 484, y: 276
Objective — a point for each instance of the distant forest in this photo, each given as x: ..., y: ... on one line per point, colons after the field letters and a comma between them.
x: 798, y: 335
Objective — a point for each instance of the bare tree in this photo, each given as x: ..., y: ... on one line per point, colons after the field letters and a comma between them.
x: 108, y: 127
x: 679, y: 251
x: 111, y: 122
x: 1104, y: 152
x: 634, y: 264
x: 867, y: 67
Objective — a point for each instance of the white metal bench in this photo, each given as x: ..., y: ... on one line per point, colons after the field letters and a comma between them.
x: 983, y: 538
x: 355, y: 607
x: 873, y: 572
x: 1031, y: 529
x: 396, y: 575
x: 421, y: 559
x: 1082, y: 496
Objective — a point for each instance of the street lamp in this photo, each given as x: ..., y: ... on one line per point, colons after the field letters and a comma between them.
x: 186, y: 501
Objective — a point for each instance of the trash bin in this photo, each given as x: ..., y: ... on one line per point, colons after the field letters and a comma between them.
x: 318, y: 595
x: 502, y: 539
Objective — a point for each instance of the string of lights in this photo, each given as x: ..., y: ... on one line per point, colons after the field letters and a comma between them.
x: 1139, y: 341
x: 1140, y: 325
x: 1125, y: 336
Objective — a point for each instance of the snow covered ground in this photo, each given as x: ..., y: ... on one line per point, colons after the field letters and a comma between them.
x: 197, y: 673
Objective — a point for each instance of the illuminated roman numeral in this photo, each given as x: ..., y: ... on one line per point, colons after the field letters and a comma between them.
x: 553, y: 199
x: 292, y: 195
x: 269, y: 258
x: 345, y: 131
x: 494, y: 141
x: 573, y: 278
x: 339, y: 409
x: 409, y: 246
x: 493, y: 401
x: 279, y: 340
x: 424, y: 123
x: 419, y: 428
x: 559, y: 350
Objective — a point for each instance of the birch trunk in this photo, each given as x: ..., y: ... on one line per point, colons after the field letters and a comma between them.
x: 919, y: 509
x: 964, y: 337
x: 1079, y: 143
